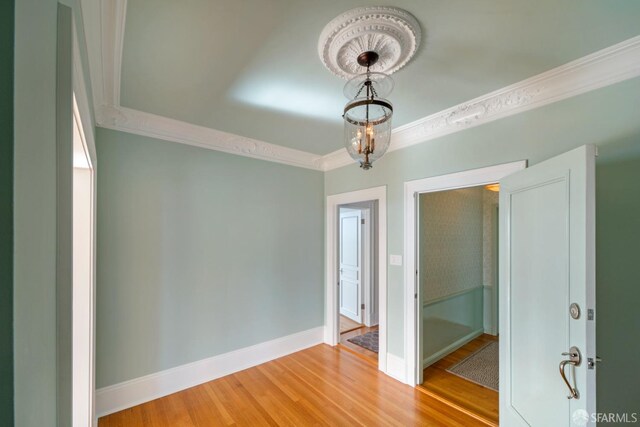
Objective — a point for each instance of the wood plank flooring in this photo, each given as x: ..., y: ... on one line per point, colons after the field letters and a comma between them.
x: 368, y: 355
x: 319, y: 386
x: 480, y: 401
x: 347, y: 324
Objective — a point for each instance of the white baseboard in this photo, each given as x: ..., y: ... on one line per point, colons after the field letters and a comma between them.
x: 451, y: 348
x: 139, y: 390
x: 396, y: 368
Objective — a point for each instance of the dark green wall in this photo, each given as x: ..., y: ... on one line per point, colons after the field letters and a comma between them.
x: 6, y: 212
x: 618, y: 282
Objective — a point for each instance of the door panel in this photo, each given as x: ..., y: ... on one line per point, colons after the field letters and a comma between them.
x: 546, y: 263
x: 540, y: 261
x: 350, y: 268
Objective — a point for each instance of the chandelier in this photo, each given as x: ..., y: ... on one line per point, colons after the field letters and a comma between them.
x: 367, y: 116
x: 364, y: 46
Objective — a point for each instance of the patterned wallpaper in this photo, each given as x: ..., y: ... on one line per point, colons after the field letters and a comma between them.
x: 489, y: 236
x: 451, y: 241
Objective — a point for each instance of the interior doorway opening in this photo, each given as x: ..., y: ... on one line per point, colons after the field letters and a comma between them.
x: 358, y: 303
x: 457, y: 246
x: 377, y: 195
x: 451, y: 247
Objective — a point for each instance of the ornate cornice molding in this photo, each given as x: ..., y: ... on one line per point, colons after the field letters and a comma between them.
x: 151, y: 125
x: 104, y: 31
x: 391, y: 32
x: 605, y: 67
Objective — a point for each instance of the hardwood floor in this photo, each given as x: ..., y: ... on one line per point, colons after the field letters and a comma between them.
x: 368, y: 355
x: 347, y: 324
x: 321, y: 385
x: 480, y: 401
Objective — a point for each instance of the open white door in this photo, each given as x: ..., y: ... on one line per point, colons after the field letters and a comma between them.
x: 547, y: 264
x: 350, y: 265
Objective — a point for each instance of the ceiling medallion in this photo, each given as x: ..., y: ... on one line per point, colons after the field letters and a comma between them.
x: 393, y: 33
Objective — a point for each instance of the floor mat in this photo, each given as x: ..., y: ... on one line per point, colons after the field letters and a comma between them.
x: 368, y: 341
x: 481, y: 367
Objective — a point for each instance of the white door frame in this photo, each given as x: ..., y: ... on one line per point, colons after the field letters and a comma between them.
x: 332, y: 333
x: 413, y: 297
x: 84, y: 118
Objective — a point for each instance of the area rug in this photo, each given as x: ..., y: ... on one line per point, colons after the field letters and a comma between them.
x: 481, y: 367
x: 368, y: 340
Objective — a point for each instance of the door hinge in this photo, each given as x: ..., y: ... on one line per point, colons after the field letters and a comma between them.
x: 415, y: 296
x: 362, y: 221
x: 362, y: 306
x: 590, y: 314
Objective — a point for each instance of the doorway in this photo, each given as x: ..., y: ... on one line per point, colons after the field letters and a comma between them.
x: 358, y: 296
x: 83, y: 277
x: 358, y: 205
x: 451, y: 285
x: 547, y: 281
x: 457, y: 273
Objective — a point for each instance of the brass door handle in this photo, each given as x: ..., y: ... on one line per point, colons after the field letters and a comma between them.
x: 575, y: 358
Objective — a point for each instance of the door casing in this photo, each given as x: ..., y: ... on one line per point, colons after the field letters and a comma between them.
x: 412, y: 307
x: 332, y: 334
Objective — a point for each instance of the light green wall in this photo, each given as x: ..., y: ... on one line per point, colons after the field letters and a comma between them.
x: 35, y: 243
x: 607, y: 117
x: 200, y: 253
x: 34, y: 214
x: 6, y: 212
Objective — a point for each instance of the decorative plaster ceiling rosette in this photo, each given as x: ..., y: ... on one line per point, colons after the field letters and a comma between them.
x: 393, y: 33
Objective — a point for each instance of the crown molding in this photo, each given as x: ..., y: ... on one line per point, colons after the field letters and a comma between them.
x: 104, y: 22
x: 603, y: 68
x: 159, y: 127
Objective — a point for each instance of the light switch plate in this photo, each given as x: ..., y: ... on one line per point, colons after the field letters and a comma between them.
x: 395, y: 259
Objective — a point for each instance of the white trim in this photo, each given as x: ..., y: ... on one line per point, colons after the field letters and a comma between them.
x: 82, y: 104
x: 146, y: 124
x: 603, y: 68
x: 396, y: 367
x: 379, y: 194
x: 114, y: 15
x: 134, y: 392
x: 104, y: 25
x: 86, y: 127
x: 470, y: 178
